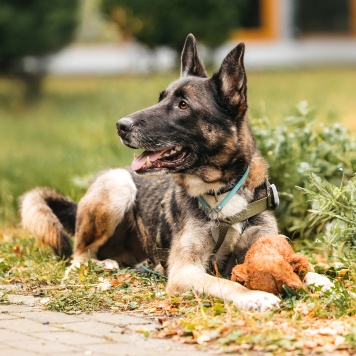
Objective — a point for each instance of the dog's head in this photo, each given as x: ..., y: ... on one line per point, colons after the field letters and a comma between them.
x: 199, y: 126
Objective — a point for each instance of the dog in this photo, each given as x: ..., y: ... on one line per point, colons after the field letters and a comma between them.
x: 200, y: 169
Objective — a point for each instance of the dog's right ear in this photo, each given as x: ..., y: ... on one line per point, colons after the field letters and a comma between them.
x: 190, y: 61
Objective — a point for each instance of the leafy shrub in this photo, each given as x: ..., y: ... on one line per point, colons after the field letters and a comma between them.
x: 293, y: 150
x: 333, y: 212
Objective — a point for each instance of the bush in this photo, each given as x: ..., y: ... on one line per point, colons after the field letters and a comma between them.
x: 293, y: 150
x: 333, y: 212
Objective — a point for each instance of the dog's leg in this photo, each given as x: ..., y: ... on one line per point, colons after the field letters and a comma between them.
x: 181, y: 278
x: 103, y: 207
x: 186, y: 269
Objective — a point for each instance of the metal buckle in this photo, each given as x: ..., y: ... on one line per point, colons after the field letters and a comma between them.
x: 275, y: 196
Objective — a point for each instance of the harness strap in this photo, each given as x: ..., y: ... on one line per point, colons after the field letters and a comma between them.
x: 252, y: 209
x: 223, y: 229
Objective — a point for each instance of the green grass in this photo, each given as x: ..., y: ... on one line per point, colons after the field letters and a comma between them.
x: 71, y: 131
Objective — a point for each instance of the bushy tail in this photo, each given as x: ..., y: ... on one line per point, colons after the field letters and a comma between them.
x: 51, y: 217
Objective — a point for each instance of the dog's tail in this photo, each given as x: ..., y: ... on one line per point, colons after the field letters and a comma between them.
x: 50, y: 216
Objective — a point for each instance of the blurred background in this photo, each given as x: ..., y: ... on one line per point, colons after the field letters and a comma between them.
x: 70, y: 68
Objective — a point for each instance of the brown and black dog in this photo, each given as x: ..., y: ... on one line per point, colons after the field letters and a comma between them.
x: 197, y: 144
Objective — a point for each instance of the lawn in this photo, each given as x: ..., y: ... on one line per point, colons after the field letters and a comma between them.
x: 69, y: 134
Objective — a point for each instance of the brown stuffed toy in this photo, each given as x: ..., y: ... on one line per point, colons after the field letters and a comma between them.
x: 271, y: 263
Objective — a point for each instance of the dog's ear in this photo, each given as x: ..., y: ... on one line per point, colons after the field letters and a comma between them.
x: 190, y: 61
x: 231, y: 79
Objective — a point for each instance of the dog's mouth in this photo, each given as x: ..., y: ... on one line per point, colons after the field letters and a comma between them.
x: 171, y: 157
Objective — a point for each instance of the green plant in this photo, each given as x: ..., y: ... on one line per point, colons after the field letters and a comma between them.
x: 333, y: 212
x: 294, y: 149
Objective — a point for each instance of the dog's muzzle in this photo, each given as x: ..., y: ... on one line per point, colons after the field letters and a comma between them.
x: 124, y: 126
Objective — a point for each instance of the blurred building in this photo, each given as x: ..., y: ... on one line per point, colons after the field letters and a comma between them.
x: 297, y: 32
x: 277, y: 33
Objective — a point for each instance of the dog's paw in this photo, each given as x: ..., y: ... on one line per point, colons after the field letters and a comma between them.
x: 160, y: 270
x: 257, y: 300
x: 108, y: 264
x: 313, y: 279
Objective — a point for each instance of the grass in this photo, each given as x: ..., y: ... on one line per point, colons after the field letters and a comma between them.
x: 307, y: 322
x: 71, y: 131
x: 70, y: 134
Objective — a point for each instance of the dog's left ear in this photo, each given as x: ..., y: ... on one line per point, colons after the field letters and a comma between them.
x: 231, y: 79
x: 190, y: 61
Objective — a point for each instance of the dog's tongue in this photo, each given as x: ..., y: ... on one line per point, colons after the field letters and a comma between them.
x: 140, y: 160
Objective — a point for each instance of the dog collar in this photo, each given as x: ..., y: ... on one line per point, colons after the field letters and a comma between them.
x: 233, y: 191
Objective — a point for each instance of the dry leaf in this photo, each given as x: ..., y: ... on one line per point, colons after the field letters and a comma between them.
x: 17, y: 249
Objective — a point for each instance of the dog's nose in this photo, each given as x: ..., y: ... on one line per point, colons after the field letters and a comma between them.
x: 124, y: 126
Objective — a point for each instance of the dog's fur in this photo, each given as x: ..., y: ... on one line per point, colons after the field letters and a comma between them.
x: 125, y: 216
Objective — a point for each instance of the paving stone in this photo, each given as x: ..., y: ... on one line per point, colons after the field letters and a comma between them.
x: 12, y: 335
x: 16, y: 352
x: 23, y: 299
x: 29, y: 331
x: 119, y: 319
x: 92, y: 327
x: 17, y: 308
x: 70, y: 338
x: 10, y: 287
x: 52, y: 317
x: 45, y: 347
x: 5, y: 316
x: 27, y: 325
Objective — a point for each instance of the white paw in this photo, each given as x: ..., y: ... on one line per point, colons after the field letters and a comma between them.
x: 257, y: 300
x: 73, y: 266
x: 159, y: 269
x: 317, y: 280
x: 108, y: 264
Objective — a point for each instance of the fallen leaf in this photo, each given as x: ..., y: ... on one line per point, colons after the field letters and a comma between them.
x: 163, y: 304
x: 17, y: 249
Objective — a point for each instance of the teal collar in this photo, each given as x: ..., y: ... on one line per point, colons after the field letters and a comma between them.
x: 233, y: 191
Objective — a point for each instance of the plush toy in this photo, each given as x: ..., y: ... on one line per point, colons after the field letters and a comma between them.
x: 271, y: 263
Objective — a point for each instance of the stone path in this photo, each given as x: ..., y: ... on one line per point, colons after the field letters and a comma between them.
x: 28, y: 329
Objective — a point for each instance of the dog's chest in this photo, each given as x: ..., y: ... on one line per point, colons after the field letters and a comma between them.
x: 237, y: 204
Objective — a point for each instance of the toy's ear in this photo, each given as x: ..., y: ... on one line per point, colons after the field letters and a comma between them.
x: 239, y: 274
x: 190, y: 61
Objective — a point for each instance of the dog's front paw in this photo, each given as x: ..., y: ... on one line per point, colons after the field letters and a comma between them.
x: 313, y: 279
x: 108, y: 264
x: 257, y: 300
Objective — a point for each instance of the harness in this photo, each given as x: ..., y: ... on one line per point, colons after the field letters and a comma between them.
x: 220, y: 227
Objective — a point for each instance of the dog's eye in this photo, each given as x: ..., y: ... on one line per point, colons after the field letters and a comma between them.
x: 183, y: 105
